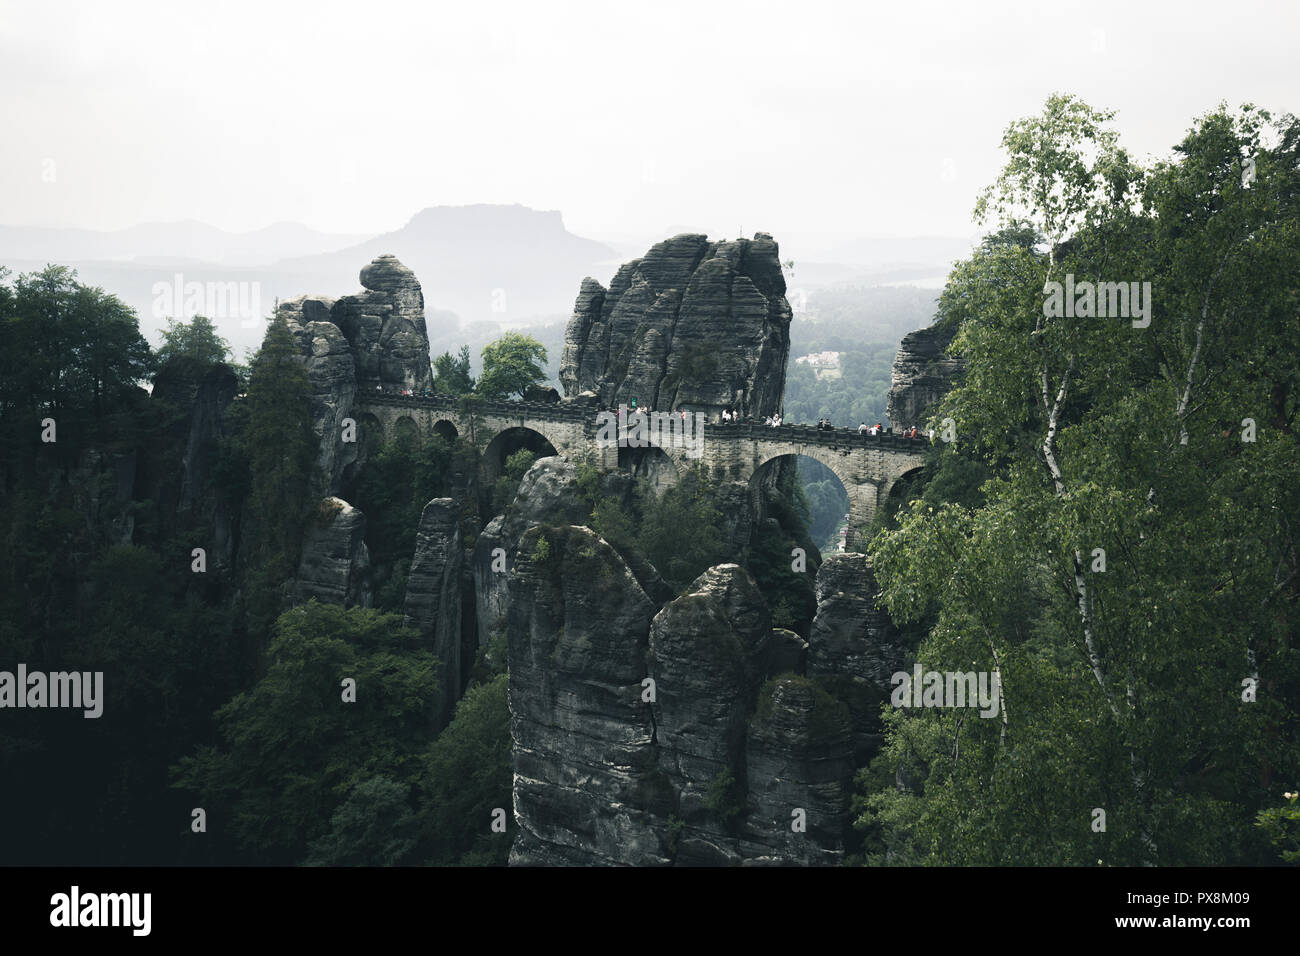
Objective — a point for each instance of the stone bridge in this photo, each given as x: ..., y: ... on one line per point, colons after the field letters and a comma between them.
x: 866, y: 466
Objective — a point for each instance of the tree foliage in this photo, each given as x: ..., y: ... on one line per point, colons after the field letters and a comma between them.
x: 451, y: 373
x: 196, y: 341
x: 293, y: 752
x: 511, y: 364
x: 1122, y: 672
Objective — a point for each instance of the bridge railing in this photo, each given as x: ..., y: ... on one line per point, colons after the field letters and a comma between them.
x: 586, y: 414
x: 479, y: 406
x: 811, y: 434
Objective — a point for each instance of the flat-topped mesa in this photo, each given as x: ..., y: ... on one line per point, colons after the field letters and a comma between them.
x: 693, y: 324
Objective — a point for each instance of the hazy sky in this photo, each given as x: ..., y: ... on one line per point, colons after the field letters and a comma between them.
x: 797, y: 117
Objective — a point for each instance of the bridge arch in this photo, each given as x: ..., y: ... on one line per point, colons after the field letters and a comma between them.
x: 507, y: 442
x: 869, y: 469
x: 822, y: 537
x: 404, y: 427
x: 370, y: 435
x: 826, y: 456
x: 894, y: 489
x: 861, y: 487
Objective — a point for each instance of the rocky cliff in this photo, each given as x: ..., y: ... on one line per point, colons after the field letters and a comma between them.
x: 586, y: 784
x: 683, y: 735
x: 433, y: 595
x: 923, y: 372
x: 374, y: 339
x: 384, y: 326
x: 652, y: 729
x: 853, y: 644
x: 335, y: 563
x: 694, y: 324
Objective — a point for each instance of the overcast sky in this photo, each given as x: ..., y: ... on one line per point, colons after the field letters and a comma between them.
x: 816, y: 119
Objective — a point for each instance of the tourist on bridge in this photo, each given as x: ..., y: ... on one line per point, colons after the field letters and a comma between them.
x: 862, y: 428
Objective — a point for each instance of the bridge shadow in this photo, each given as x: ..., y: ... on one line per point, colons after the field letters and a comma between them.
x: 652, y: 464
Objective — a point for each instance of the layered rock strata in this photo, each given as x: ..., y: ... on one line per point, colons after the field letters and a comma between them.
x: 923, y: 373
x: 693, y: 324
x: 335, y: 564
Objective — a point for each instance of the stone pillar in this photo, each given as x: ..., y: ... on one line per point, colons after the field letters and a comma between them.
x: 862, y: 509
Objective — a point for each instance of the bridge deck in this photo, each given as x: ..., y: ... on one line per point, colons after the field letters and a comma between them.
x: 586, y: 414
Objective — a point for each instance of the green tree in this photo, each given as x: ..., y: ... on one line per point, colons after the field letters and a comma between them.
x: 681, y: 531
x: 451, y: 373
x: 374, y: 826
x: 511, y: 364
x: 70, y: 349
x: 466, y: 776
x: 293, y: 753
x: 1117, y: 566
x: 280, y: 449
x: 196, y: 341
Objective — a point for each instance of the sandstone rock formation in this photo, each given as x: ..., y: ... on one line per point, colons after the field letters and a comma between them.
x: 707, y: 650
x: 374, y: 339
x: 385, y: 327
x: 853, y: 642
x: 548, y: 493
x: 195, y: 399
x: 433, y: 595
x: 331, y: 374
x: 696, y: 324
x: 649, y: 738
x: 923, y: 372
x: 800, y: 770
x: 586, y: 786
x: 335, y: 563
x: 202, y: 397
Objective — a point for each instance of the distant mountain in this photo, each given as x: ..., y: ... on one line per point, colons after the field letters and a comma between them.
x: 483, y: 268
x: 484, y: 262
x: 168, y: 242
x: 497, y: 264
